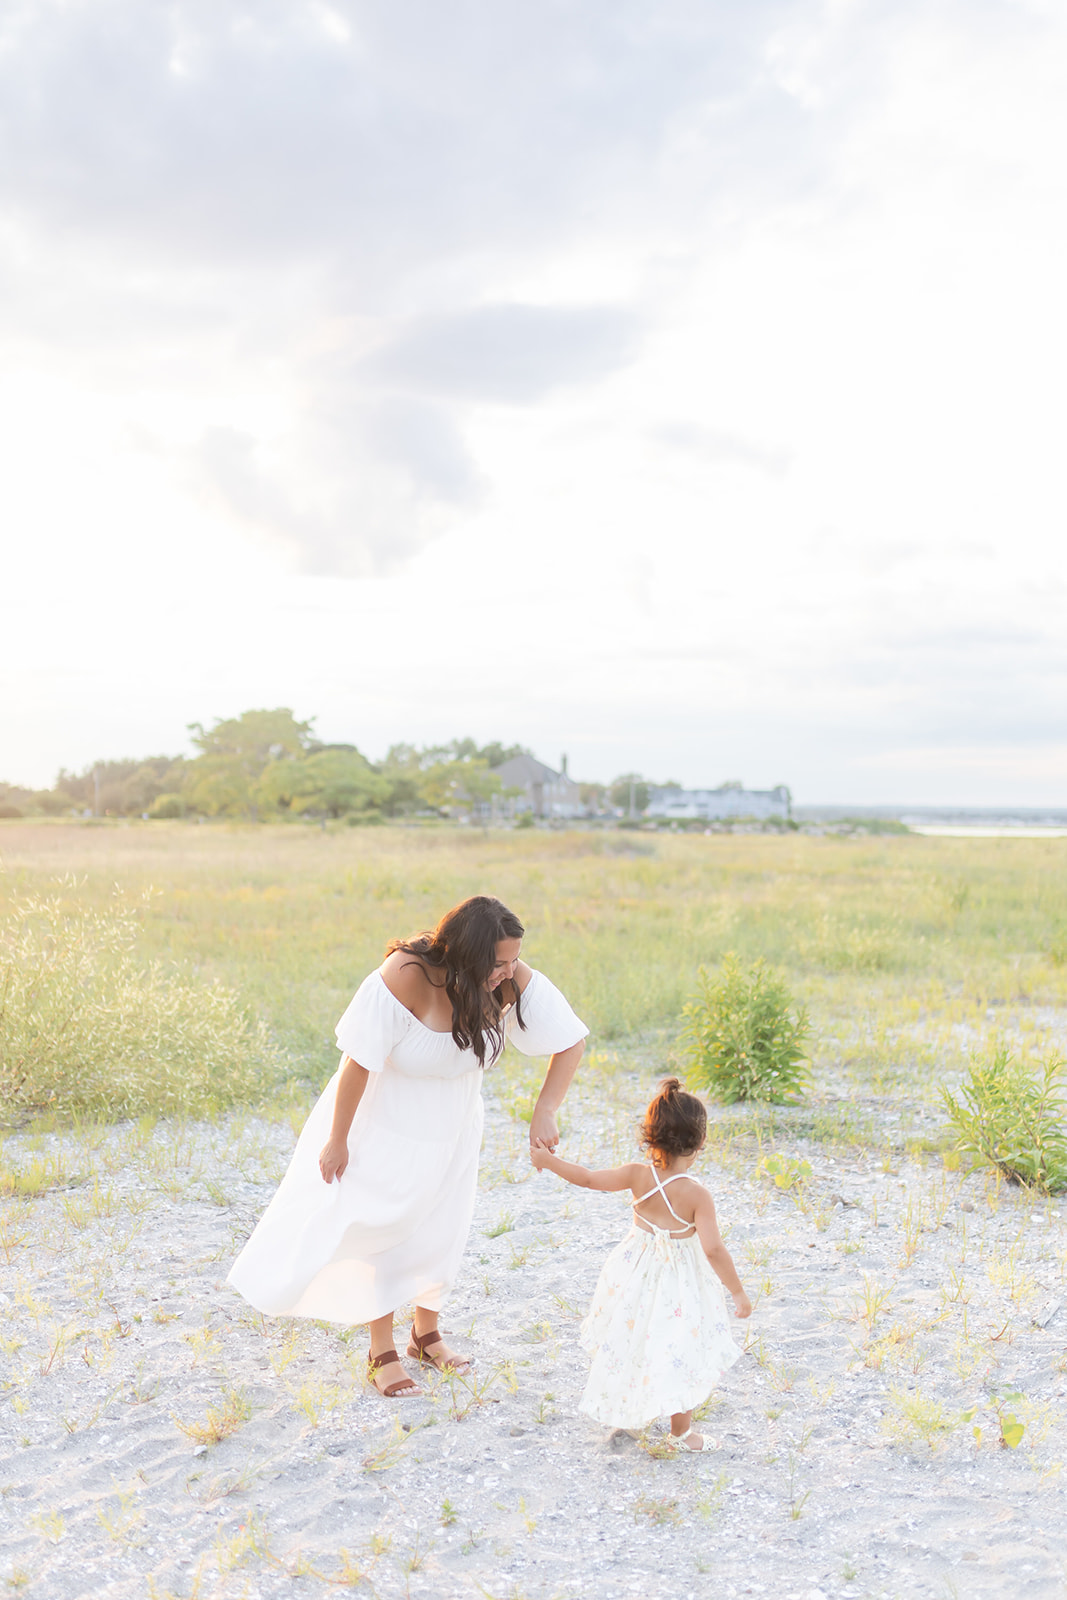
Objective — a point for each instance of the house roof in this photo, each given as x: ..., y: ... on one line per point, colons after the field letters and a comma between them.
x: 521, y: 770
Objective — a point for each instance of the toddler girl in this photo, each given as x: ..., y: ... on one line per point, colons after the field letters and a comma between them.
x: 657, y: 1329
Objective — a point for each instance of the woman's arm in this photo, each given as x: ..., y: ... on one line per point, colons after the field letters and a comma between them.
x: 544, y: 1133
x: 608, y: 1180
x: 706, y: 1224
x: 333, y: 1158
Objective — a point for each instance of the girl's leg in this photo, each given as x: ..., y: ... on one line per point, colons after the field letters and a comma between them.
x: 680, y: 1421
x: 381, y: 1340
x: 439, y: 1354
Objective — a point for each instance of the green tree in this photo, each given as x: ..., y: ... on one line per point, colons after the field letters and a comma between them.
x: 330, y: 782
x: 223, y: 780
x: 119, y: 788
x: 621, y: 788
x: 456, y: 785
x: 495, y: 753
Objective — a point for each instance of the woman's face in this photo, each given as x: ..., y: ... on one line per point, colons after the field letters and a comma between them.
x: 507, y: 958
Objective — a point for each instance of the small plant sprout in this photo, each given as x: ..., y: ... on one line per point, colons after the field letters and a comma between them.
x: 914, y: 1416
x: 785, y: 1172
x: 659, y: 1512
x: 503, y: 1224
x: 1005, y: 1403
x: 49, y: 1524
x: 870, y: 1303
x: 220, y: 1421
x: 797, y: 1501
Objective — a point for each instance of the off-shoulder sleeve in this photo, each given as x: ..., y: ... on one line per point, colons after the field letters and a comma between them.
x: 373, y: 1023
x: 551, y: 1025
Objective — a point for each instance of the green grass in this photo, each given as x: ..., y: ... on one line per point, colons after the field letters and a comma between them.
x: 898, y: 946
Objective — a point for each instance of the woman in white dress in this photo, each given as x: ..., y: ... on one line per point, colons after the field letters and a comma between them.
x: 375, y: 1208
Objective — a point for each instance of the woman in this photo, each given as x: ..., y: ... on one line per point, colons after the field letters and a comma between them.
x: 377, y: 1216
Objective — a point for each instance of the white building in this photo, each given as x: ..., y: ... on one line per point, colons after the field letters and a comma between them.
x: 542, y: 790
x: 716, y: 805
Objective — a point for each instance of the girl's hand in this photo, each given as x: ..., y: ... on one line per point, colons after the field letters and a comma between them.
x: 543, y: 1130
x: 540, y: 1156
x: 333, y: 1159
x: 742, y: 1305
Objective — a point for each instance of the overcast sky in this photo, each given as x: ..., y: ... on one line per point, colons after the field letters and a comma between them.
x: 677, y: 384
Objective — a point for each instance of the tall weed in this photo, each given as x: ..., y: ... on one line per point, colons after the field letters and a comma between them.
x: 86, y: 1026
x: 1011, y: 1116
x: 745, y: 1036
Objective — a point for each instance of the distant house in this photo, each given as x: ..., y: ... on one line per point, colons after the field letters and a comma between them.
x: 542, y: 790
x: 716, y: 805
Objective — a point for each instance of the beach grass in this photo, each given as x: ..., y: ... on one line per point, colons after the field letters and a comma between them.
x: 908, y: 952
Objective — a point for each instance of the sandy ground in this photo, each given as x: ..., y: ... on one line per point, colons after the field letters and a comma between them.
x: 892, y: 1298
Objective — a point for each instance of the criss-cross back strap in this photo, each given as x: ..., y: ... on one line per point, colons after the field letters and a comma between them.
x: 661, y: 1188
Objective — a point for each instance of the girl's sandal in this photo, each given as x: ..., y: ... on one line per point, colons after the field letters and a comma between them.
x: 417, y: 1350
x: 406, y: 1387
x: 678, y: 1443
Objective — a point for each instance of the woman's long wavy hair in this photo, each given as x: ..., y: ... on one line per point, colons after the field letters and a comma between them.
x: 463, y: 947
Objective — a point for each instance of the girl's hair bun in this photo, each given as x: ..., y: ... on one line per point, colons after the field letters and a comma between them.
x: 675, y: 1123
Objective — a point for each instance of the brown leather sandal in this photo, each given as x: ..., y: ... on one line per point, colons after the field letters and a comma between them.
x: 391, y: 1390
x: 417, y: 1344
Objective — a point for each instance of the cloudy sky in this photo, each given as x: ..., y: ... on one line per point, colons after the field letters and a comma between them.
x: 675, y: 383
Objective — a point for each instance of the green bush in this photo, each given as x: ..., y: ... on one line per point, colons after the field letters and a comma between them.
x: 85, y: 1026
x: 1011, y: 1116
x: 745, y: 1037
x: 166, y: 806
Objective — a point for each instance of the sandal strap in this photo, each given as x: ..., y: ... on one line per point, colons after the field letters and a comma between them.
x: 421, y: 1340
x: 374, y: 1362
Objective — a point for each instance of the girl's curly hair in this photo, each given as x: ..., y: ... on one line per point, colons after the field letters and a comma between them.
x: 675, y: 1123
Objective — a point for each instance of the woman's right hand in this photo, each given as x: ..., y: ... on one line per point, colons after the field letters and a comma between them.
x: 333, y: 1159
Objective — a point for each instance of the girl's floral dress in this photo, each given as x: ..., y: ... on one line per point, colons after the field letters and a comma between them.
x: 657, y: 1331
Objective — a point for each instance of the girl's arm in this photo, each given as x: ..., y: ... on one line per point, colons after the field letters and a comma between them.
x: 707, y: 1227
x: 608, y: 1179
x: 333, y: 1157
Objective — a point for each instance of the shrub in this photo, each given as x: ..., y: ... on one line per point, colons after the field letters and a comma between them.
x: 745, y: 1035
x: 166, y: 806
x: 1011, y: 1116
x: 85, y: 1026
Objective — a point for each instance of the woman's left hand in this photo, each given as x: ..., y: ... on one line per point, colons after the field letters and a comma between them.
x: 544, y: 1133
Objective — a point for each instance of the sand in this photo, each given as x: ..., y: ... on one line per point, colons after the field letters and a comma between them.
x: 119, y: 1332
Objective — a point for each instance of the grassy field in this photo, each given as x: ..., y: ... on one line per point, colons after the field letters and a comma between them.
x: 906, y: 1308
x: 909, y: 952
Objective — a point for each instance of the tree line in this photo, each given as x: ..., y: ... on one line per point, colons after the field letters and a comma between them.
x: 266, y: 764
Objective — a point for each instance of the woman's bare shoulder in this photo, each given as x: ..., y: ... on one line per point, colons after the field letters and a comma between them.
x: 406, y: 976
x: 523, y: 974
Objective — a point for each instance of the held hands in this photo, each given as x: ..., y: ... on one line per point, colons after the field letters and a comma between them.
x: 543, y: 1131
x: 333, y: 1159
x: 540, y: 1156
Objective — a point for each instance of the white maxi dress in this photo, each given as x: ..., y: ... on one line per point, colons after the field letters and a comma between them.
x: 392, y: 1230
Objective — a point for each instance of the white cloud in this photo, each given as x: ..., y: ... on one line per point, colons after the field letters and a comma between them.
x: 687, y: 378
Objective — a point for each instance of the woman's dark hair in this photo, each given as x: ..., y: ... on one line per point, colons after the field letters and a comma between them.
x: 463, y: 947
x: 675, y: 1123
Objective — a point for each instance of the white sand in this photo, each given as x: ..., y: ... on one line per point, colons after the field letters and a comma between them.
x: 807, y: 1492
